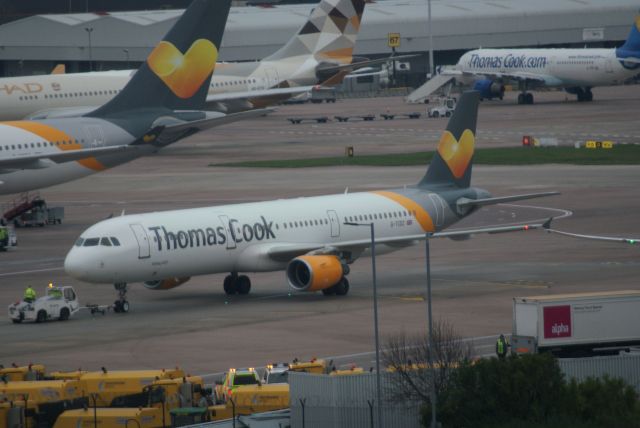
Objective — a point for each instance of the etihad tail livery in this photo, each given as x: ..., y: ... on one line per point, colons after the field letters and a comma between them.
x: 575, y: 70
x: 160, y: 105
x: 321, y: 49
x: 306, y: 237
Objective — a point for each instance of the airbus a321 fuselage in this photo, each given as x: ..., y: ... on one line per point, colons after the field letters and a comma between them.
x: 308, y: 237
x: 321, y: 48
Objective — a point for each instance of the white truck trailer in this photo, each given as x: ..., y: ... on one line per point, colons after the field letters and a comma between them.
x: 575, y: 325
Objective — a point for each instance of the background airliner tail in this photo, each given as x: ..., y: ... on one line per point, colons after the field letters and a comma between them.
x: 329, y: 34
x: 630, y: 50
x: 177, y: 72
x: 451, y: 164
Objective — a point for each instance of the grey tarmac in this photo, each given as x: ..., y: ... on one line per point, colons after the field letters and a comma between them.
x: 197, y: 327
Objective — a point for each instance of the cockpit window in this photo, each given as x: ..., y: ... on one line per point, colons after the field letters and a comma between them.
x: 115, y: 241
x: 105, y: 242
x: 79, y: 242
x: 91, y: 242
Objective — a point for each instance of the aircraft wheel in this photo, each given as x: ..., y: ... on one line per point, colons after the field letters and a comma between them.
x: 342, y: 288
x: 588, y: 95
x: 436, y: 114
x: 64, y: 314
x: 520, y: 98
x: 329, y: 291
x: 229, y: 285
x: 243, y: 284
x: 124, y: 307
x: 528, y: 98
x: 42, y: 316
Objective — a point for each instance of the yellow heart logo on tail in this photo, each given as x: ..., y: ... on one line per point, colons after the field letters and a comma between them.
x: 457, y: 154
x: 183, y: 74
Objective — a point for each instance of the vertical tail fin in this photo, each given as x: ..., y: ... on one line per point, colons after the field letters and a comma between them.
x: 631, y: 47
x: 177, y: 72
x: 452, y: 162
x: 329, y: 34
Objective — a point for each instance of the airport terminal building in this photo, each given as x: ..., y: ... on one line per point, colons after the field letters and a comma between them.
x: 103, y: 41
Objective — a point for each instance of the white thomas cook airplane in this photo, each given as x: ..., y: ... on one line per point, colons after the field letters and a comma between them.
x: 575, y: 70
x: 307, y: 237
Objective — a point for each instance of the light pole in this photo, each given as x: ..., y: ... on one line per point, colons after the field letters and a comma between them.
x: 89, y: 30
x: 430, y: 316
x: 430, y: 41
x: 126, y: 53
x: 375, y: 316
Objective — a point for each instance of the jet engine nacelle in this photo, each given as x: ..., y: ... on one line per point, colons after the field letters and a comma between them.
x: 313, y: 273
x: 489, y: 89
x: 166, y: 284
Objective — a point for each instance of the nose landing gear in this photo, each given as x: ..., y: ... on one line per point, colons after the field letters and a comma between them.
x: 121, y: 305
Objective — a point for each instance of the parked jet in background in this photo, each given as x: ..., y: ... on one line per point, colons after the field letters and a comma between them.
x: 575, y: 70
x: 308, y: 237
x: 322, y: 48
x: 160, y: 105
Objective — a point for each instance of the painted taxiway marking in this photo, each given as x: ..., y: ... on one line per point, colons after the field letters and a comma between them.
x: 24, y: 272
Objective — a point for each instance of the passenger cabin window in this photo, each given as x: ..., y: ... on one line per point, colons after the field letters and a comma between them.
x: 91, y: 242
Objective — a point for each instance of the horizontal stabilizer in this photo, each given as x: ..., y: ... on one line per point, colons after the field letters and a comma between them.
x: 465, y: 202
x: 222, y: 97
x: 428, y: 88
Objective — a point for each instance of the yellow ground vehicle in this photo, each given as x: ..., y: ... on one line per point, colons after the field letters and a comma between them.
x: 347, y: 372
x: 233, y: 379
x: 30, y: 372
x: 104, y: 386
x: 314, y: 366
x: 249, y: 399
x: 139, y: 417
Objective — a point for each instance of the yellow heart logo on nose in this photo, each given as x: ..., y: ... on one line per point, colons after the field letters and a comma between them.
x: 457, y: 154
x: 183, y: 74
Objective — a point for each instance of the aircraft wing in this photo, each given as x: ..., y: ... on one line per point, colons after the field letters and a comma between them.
x: 47, y: 159
x: 286, y: 252
x: 257, y: 94
x: 518, y: 76
x: 367, y: 63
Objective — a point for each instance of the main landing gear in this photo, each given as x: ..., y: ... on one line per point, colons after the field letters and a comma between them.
x: 340, y: 289
x: 237, y: 284
x: 525, y: 98
x: 584, y: 95
x: 121, y: 305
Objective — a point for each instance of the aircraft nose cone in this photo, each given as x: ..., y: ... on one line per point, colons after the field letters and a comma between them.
x: 75, y: 266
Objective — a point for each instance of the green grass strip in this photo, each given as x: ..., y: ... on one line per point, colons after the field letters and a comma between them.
x: 619, y: 155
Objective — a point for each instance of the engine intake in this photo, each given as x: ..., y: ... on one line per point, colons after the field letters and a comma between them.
x: 166, y: 284
x: 489, y: 89
x: 314, y: 273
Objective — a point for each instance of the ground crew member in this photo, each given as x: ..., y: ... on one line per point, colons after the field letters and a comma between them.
x: 29, y: 295
x: 501, y: 347
x: 4, y: 237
